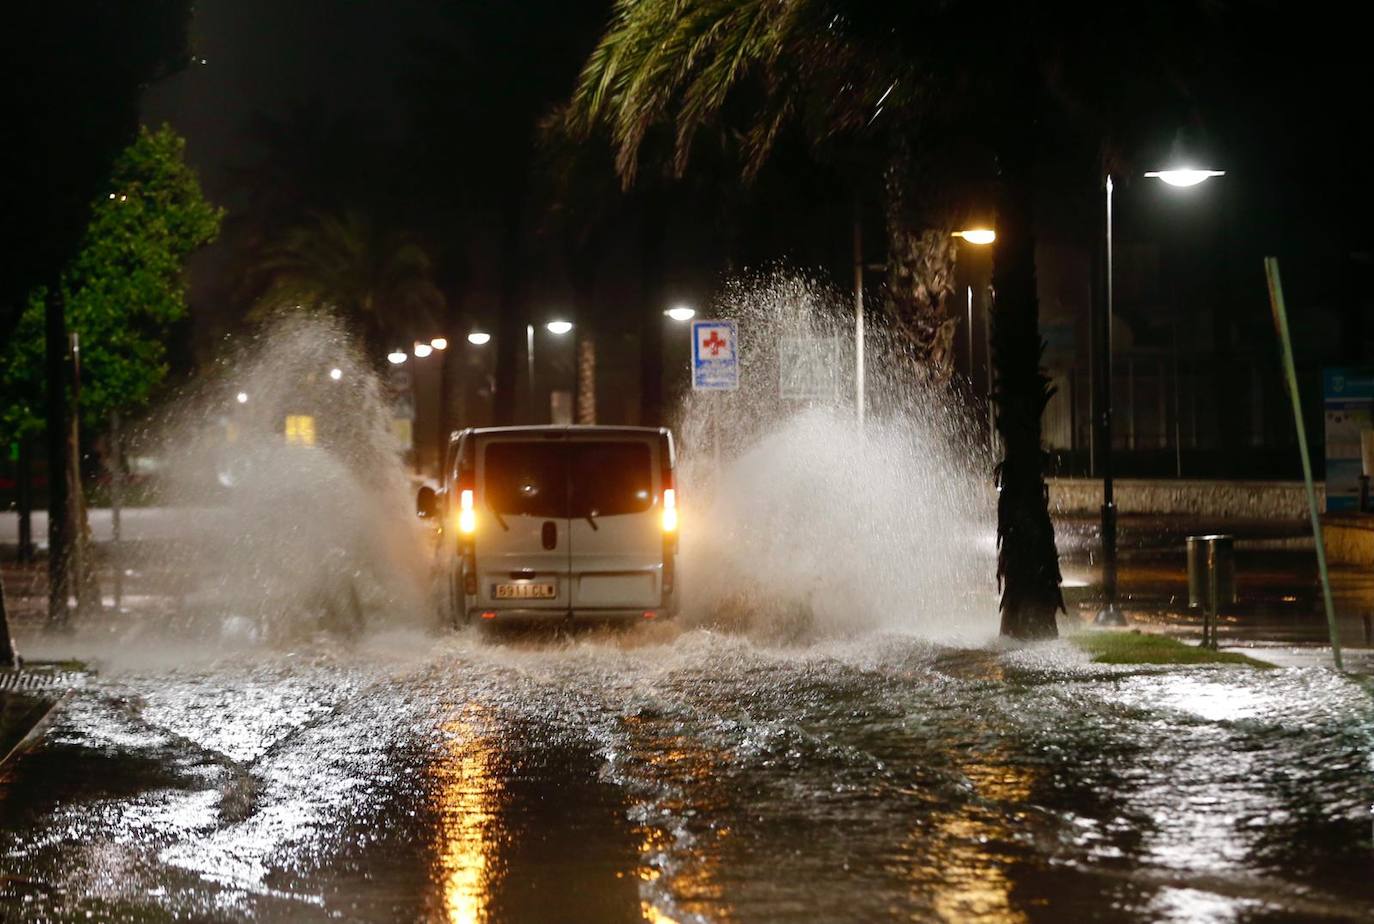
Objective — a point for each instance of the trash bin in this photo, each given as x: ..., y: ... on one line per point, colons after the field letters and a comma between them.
x: 1205, y: 553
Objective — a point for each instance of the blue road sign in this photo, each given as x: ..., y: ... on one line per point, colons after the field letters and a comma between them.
x: 1348, y: 403
x: 715, y: 355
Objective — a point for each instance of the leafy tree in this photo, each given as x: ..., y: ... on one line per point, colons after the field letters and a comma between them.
x: 379, y: 279
x: 123, y: 291
x: 73, y: 74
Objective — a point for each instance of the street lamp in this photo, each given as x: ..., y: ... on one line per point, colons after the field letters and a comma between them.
x: 558, y: 327
x: 1110, y: 614
x: 336, y: 373
x: 396, y: 356
x: 479, y: 338
x: 979, y: 236
x: 439, y: 343
x: 1184, y: 176
x: 681, y: 313
x: 421, y: 350
x: 241, y: 397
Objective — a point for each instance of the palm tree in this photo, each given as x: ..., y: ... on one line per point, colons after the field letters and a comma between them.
x: 683, y: 63
x: 378, y: 279
x: 906, y: 83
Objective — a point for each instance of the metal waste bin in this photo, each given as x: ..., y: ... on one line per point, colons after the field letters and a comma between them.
x: 1205, y: 554
x: 1211, y: 580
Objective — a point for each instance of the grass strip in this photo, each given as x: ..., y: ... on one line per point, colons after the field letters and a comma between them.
x: 1107, y: 647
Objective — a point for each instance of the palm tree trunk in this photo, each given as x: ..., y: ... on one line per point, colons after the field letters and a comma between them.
x: 586, y: 377
x: 509, y: 330
x: 8, y: 657
x: 1027, y: 561
x: 59, y: 513
x: 920, y: 279
x: 583, y: 270
x: 652, y: 273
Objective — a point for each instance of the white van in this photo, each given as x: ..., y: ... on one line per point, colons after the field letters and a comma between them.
x: 557, y: 523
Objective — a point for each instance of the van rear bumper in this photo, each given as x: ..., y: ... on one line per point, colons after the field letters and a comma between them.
x: 580, y: 616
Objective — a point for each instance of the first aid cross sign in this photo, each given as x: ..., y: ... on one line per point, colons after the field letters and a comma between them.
x: 715, y: 356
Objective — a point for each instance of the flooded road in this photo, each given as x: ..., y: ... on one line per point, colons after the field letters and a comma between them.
x: 691, y: 776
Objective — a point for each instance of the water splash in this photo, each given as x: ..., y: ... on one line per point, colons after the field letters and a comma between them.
x: 798, y: 523
x: 291, y: 536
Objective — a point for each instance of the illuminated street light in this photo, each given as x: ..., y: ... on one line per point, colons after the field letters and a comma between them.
x: 396, y: 357
x: 241, y: 397
x: 1184, y: 176
x: 479, y: 338
x: 336, y: 373
x: 558, y: 327
x: 439, y: 343
x: 681, y: 313
x: 1110, y: 614
x: 978, y: 236
x: 422, y: 350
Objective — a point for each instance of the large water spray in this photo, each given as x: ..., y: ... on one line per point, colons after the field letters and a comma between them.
x: 298, y: 508
x: 800, y: 522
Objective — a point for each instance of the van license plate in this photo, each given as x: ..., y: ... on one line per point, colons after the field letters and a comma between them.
x: 525, y: 592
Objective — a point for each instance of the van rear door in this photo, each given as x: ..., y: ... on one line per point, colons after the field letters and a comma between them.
x: 616, y: 536
x: 523, y: 552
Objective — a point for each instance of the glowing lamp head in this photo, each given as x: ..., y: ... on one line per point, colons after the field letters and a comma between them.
x: 396, y: 357
x: 241, y: 397
x: 681, y: 313
x: 421, y: 350
x: 439, y: 343
x: 1184, y: 176
x: 479, y: 338
x: 467, y: 513
x: 669, y: 510
x: 559, y: 327
x: 336, y: 374
x: 979, y: 236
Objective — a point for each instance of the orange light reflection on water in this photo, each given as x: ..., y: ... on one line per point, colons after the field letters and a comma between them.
x: 970, y: 876
x: 468, y: 794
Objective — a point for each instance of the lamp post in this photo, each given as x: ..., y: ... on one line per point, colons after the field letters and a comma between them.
x: 979, y: 237
x: 558, y: 328
x: 1183, y: 177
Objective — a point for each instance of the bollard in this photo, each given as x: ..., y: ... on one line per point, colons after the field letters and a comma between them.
x: 1211, y: 580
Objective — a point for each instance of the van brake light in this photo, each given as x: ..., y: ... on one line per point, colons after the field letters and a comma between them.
x: 467, y: 514
x: 669, y: 510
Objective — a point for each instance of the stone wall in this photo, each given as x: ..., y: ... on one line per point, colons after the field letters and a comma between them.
x: 1251, y: 500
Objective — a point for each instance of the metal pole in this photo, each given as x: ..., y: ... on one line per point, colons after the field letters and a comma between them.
x: 25, y: 499
x: 116, y: 505
x: 441, y: 415
x: 529, y: 362
x: 1271, y: 272
x: 969, y: 331
x: 858, y: 319
x: 1110, y: 614
x: 989, y: 300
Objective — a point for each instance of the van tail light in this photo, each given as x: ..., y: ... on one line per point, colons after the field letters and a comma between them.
x: 670, y: 510
x: 467, y: 512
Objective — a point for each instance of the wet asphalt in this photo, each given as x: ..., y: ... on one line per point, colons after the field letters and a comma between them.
x: 688, y: 774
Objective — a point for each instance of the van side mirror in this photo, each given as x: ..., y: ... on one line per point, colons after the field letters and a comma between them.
x: 426, y: 503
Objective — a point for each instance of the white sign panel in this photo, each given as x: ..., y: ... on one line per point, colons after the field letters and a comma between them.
x: 715, y: 355
x: 808, y: 368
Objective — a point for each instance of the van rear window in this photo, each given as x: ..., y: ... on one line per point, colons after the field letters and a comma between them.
x: 529, y: 479
x: 575, y: 478
x: 610, y: 478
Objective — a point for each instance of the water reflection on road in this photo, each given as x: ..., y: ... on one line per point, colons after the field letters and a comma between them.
x: 693, y: 777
